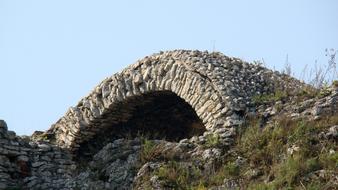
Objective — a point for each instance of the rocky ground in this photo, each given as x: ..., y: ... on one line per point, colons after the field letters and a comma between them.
x: 301, y: 129
x: 284, y: 138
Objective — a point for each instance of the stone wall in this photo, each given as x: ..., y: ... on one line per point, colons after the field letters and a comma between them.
x: 157, y: 115
x: 34, y: 165
x: 181, y: 96
x: 217, y: 87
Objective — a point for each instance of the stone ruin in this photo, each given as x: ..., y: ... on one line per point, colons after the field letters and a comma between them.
x: 176, y: 96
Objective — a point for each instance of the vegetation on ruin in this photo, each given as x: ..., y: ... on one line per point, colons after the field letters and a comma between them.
x: 285, y: 154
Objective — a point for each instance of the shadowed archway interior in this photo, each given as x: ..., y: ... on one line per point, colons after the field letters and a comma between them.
x: 155, y: 115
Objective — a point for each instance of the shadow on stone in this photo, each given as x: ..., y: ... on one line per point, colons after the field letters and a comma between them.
x: 156, y: 115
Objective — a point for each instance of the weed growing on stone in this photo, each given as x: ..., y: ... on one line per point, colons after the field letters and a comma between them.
x: 149, y: 150
x: 286, y: 154
x: 212, y: 140
x: 268, y: 150
x: 179, y: 176
x: 269, y: 98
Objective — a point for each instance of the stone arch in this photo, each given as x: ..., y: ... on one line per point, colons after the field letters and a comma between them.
x: 154, y: 115
x: 173, y: 72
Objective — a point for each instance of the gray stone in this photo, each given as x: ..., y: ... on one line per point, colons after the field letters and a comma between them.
x: 332, y: 132
x: 38, y: 164
x: 23, y: 158
x: 190, y: 75
x: 3, y: 127
x: 218, y: 89
x: 11, y: 135
x: 211, y: 154
x: 44, y: 147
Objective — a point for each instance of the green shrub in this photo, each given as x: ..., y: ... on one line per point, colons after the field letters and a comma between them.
x: 335, y: 83
x: 307, y: 92
x: 262, y: 146
x: 329, y: 161
x: 269, y: 98
x: 149, y: 150
x: 179, y: 176
x: 231, y: 169
x: 212, y: 140
x: 266, y: 148
x: 226, y: 171
x: 200, y: 186
x: 316, y: 185
x: 261, y: 186
x: 312, y: 164
x: 288, y: 172
x: 324, y: 91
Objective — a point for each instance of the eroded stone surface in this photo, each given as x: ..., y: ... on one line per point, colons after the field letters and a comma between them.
x: 31, y: 164
x: 213, y: 92
x: 217, y: 87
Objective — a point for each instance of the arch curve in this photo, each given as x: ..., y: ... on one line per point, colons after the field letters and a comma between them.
x: 153, y: 115
x: 196, y: 77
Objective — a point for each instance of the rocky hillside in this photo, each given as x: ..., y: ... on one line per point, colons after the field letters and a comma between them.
x: 184, y: 120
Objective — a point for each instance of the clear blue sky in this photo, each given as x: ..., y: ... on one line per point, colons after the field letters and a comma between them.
x: 52, y: 53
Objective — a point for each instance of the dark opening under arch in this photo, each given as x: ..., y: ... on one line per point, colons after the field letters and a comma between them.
x: 155, y: 115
